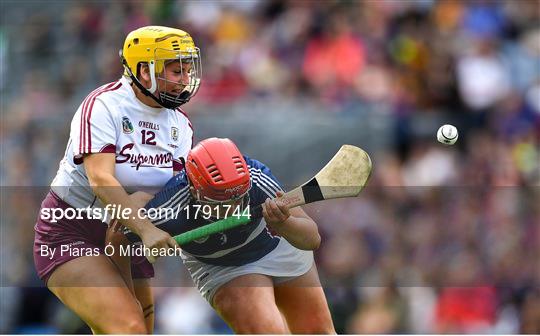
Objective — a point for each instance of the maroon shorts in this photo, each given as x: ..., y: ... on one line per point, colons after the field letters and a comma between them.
x: 72, y: 238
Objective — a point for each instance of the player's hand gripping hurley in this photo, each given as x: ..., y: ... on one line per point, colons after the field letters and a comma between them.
x: 345, y: 175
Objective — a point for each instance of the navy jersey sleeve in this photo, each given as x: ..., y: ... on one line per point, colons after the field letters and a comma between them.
x: 175, y: 191
x: 264, y: 183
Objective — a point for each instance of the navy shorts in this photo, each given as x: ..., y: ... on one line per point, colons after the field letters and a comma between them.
x: 78, y: 234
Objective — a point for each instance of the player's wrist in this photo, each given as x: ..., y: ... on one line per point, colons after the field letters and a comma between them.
x: 279, y: 226
x: 143, y: 228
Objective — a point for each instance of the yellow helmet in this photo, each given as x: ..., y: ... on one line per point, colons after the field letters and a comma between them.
x: 154, y: 46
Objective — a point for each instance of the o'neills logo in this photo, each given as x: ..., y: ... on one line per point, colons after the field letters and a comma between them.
x: 163, y: 160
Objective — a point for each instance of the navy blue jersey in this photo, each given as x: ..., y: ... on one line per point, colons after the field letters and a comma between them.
x: 235, y: 247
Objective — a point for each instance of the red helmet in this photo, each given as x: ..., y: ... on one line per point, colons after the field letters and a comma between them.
x: 217, y: 171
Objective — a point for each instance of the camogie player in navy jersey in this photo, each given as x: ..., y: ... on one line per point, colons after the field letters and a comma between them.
x: 125, y: 136
x: 254, y: 273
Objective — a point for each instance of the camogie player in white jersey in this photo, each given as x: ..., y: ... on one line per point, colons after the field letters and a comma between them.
x: 126, y: 136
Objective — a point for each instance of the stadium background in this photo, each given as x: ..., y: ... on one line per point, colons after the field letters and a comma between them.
x: 445, y: 239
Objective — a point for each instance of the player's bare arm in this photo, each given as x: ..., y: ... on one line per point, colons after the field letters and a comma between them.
x: 140, y: 198
x: 292, y: 224
x: 100, y: 171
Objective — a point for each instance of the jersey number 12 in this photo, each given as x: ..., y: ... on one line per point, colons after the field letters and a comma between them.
x: 148, y: 137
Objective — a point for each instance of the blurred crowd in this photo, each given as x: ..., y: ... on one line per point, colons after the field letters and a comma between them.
x: 442, y: 241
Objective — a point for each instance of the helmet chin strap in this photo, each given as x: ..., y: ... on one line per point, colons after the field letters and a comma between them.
x: 138, y: 84
x: 153, y: 87
x: 148, y: 93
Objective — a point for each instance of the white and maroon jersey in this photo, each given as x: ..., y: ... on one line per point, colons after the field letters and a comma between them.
x: 149, y: 143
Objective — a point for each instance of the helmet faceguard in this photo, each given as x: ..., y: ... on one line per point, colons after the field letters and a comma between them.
x: 156, y: 47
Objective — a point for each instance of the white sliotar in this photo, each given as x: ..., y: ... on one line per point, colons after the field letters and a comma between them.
x: 447, y: 134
